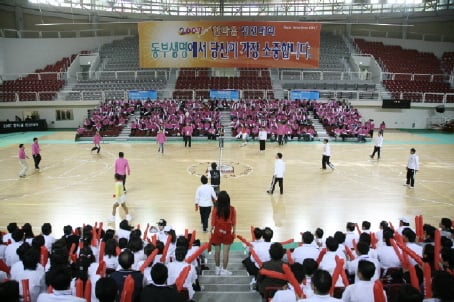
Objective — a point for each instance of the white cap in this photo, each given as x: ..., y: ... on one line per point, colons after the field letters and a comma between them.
x: 404, y: 219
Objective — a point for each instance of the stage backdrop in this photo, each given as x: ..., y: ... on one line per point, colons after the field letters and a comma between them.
x: 229, y: 44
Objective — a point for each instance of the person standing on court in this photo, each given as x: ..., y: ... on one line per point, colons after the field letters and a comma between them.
x: 326, y: 155
x: 97, y: 138
x: 161, y: 139
x: 36, y: 153
x: 378, y: 145
x: 279, y: 170
x: 122, y: 167
x: 412, y: 168
x: 215, y: 177
x: 22, y: 161
x: 221, y: 137
x: 263, y: 135
x: 204, y: 197
x: 187, y: 135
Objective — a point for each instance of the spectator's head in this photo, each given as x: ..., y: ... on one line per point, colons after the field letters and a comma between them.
x: 362, y: 248
x: 309, y: 266
x: 148, y: 249
x: 388, y: 234
x: 124, y: 225
x: 11, y: 227
x: 307, y: 237
x: 122, y: 243
x: 17, y: 235
x: 429, y: 232
x: 9, y: 291
x: 109, y: 234
x: 111, y: 247
x: 135, y: 234
x: 331, y: 244
x: 67, y: 230
x: 350, y: 227
x: 365, y: 237
x: 408, y: 235
x: 321, y: 282
x: 445, y: 224
x: 267, y: 234
x: 319, y: 233
x: 28, y: 231
x: 182, y: 241
x: 428, y: 253
x: 408, y: 293
x: 46, y: 228
x: 135, y: 245
x: 160, y: 247
x: 340, y: 237
x: 106, y: 290
x: 180, y: 253
x: 22, y: 249
x: 366, y: 270
x: 383, y: 224
x: 365, y: 225
x: 403, y: 221
x: 298, y: 271
x: 277, y: 251
x: 126, y: 259
x: 59, y: 277
x: 442, y: 286
x: 30, y: 259
x: 258, y: 233
x: 159, y: 274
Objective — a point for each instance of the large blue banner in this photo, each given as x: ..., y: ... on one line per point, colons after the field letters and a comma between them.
x: 227, y: 94
x: 142, y: 95
x: 304, y: 95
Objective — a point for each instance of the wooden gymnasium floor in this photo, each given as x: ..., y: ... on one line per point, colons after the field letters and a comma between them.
x: 75, y: 186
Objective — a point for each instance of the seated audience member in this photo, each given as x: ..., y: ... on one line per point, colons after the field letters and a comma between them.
x: 446, y: 227
x: 262, y: 248
x: 318, y: 234
x: 379, y: 233
x: 125, y: 229
x: 31, y: 272
x: 442, y: 287
x: 9, y: 291
x: 60, y: 279
x: 106, y: 290
x: 428, y: 233
x: 328, y: 262
x: 46, y: 231
x: 351, y: 235
x: 365, y: 227
x: 363, y: 289
x: 404, y: 223
x: 287, y: 293
x: 247, y: 262
x: 11, y: 256
x: 408, y: 293
x: 126, y: 259
x: 409, y: 237
x: 307, y: 250
x: 70, y: 237
x: 386, y: 254
x: 175, y: 268
x: 362, y: 252
x: 11, y: 227
x: 158, y: 291
x: 321, y: 285
x: 275, y: 264
x: 110, y: 255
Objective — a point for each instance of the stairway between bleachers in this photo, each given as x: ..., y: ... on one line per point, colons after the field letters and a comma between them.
x: 321, y: 132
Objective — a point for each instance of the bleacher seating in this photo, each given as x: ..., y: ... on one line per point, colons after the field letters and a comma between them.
x: 414, y: 73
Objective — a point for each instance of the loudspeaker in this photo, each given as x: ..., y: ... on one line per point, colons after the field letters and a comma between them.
x: 440, y: 109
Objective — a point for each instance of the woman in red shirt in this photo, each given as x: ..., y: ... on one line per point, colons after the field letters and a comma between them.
x: 223, y: 223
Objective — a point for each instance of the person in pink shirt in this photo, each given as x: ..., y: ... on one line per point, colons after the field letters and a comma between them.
x: 97, y: 138
x: 36, y: 153
x: 187, y: 135
x: 122, y: 167
x: 161, y: 139
x: 22, y: 156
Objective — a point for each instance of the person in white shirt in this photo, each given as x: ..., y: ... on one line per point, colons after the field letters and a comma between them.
x: 307, y: 250
x: 279, y: 170
x: 363, y: 289
x: 288, y: 292
x: 204, y: 197
x: 263, y: 135
x: 176, y: 267
x: 321, y: 284
x: 378, y: 145
x: 11, y: 256
x: 326, y: 155
x: 328, y: 262
x: 351, y: 235
x: 412, y: 168
x: 362, y: 253
x: 60, y: 280
x: 409, y: 237
x: 46, y: 230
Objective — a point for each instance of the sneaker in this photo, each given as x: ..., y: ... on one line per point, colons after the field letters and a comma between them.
x: 406, y: 185
x: 331, y: 166
x: 218, y: 270
x: 128, y: 217
x: 225, y: 272
x: 411, y: 187
x: 269, y: 192
x: 371, y: 156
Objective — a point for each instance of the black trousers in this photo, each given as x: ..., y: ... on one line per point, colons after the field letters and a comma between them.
x: 187, y: 140
x: 280, y: 180
x: 325, y: 161
x: 411, y: 177
x: 204, y: 216
x: 376, y: 150
x: 262, y: 144
x: 37, y: 159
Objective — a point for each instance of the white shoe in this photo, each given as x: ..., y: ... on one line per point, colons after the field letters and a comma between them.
x: 128, y: 217
x: 225, y: 272
x: 218, y: 270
